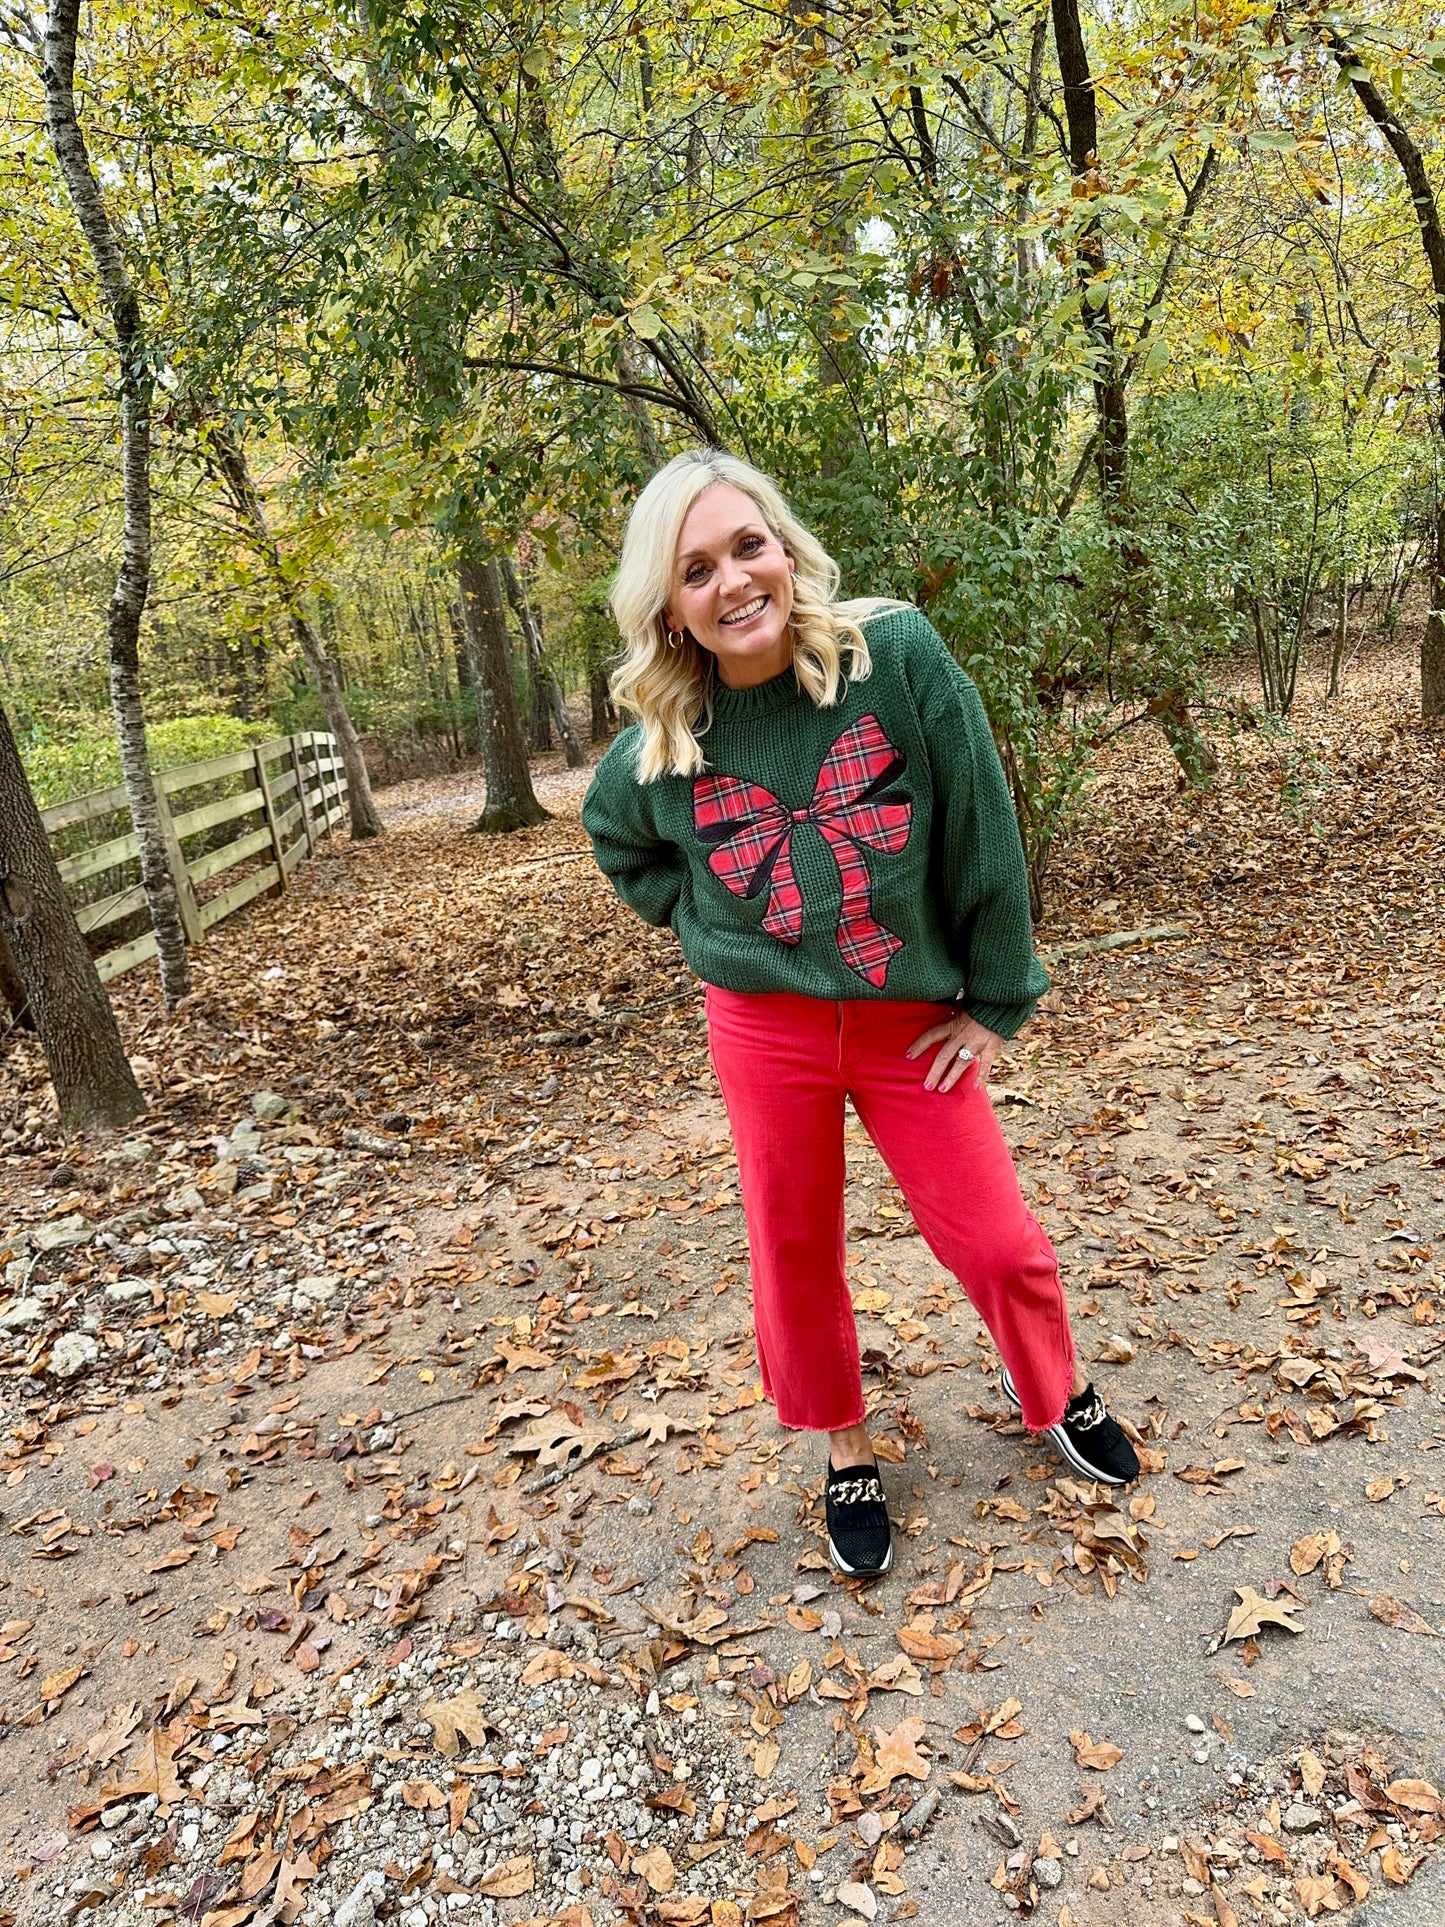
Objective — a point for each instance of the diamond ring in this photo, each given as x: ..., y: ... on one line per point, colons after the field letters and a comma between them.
x: 965, y: 1054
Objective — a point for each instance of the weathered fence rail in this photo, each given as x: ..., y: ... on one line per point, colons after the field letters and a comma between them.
x: 264, y: 807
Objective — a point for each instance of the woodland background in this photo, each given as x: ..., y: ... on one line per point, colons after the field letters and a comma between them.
x: 337, y: 341
x: 1107, y: 337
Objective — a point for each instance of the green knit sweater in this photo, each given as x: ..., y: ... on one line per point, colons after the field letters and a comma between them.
x: 867, y: 850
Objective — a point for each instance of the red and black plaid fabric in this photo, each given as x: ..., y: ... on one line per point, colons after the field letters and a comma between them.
x: 853, y: 808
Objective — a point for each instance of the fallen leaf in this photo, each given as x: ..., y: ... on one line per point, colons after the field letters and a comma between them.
x: 55, y: 1686
x: 1100, y: 1755
x: 509, y: 1878
x: 557, y: 1439
x: 1393, y: 1612
x: 1418, y: 1795
x: 548, y: 1665
x: 656, y: 1868
x: 896, y: 1756
x: 452, y: 1721
x: 1312, y: 1773
x: 1254, y: 1612
x: 1269, y: 1849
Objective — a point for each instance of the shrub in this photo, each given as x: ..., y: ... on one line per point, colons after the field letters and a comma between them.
x: 88, y: 757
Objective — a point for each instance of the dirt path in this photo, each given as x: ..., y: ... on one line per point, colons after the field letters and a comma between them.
x: 455, y: 1177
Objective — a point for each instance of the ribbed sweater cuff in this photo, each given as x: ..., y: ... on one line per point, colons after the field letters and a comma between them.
x: 1004, y: 1020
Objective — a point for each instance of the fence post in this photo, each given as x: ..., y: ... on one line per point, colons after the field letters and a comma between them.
x: 277, y: 842
x: 299, y: 765
x: 332, y: 757
x: 185, y: 891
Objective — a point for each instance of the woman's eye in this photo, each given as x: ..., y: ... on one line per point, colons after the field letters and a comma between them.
x: 751, y: 544
x: 695, y: 573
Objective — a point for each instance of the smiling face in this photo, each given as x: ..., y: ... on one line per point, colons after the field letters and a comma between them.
x: 732, y: 587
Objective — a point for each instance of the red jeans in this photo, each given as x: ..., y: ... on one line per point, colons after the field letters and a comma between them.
x: 785, y: 1064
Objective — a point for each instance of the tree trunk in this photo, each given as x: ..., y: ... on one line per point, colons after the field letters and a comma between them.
x: 539, y: 718
x: 603, y: 721
x: 629, y: 366
x: 544, y: 678
x: 463, y: 656
x: 1197, y: 760
x: 94, y: 1083
x: 1432, y: 239
x: 1432, y: 646
x: 228, y: 457
x: 127, y: 603
x: 12, y: 991
x: 510, y: 804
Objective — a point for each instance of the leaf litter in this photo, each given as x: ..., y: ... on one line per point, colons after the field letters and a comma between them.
x: 442, y: 1161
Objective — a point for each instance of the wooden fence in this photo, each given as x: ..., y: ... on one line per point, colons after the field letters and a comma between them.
x: 286, y: 794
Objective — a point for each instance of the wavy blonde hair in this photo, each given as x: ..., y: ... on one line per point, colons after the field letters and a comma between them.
x: 667, y: 688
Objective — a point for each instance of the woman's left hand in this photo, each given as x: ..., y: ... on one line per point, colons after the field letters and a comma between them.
x: 964, y: 1044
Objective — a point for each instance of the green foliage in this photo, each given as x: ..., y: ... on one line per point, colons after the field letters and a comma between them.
x: 454, y: 275
x: 87, y: 758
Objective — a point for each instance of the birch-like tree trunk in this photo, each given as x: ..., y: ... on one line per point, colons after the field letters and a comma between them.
x: 94, y: 1083
x: 227, y: 455
x: 127, y: 603
x: 542, y: 669
x: 511, y: 803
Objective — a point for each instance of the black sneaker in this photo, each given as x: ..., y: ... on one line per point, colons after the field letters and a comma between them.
x: 860, y: 1541
x: 1091, y: 1441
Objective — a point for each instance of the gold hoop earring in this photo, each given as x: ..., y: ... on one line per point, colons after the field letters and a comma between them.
x: 674, y: 638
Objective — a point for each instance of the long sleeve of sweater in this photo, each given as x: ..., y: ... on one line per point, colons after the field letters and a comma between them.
x: 863, y: 848
x: 646, y: 870
x: 979, y: 858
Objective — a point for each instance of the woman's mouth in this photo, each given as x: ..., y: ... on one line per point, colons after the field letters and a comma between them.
x: 745, y: 614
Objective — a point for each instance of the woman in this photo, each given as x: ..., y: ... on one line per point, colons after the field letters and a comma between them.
x: 813, y: 801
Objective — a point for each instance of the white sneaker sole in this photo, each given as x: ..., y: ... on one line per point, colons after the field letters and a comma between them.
x: 854, y: 1572
x: 1059, y: 1436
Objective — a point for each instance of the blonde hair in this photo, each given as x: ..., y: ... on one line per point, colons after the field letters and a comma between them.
x: 666, y: 687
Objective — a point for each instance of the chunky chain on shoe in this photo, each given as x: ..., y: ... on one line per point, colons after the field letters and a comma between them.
x: 856, y: 1491
x: 1087, y: 1416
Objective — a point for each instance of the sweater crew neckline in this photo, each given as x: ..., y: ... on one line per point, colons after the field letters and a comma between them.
x: 758, y: 700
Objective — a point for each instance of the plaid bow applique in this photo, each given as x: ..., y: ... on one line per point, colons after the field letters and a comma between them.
x: 853, y: 809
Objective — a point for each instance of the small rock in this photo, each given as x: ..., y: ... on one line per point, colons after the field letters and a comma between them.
x: 317, y: 1290
x: 133, y: 1151
x: 71, y: 1353
x: 20, y: 1316
x: 359, y: 1907
x: 269, y: 1106
x: 1201, y: 1756
x: 1193, y: 1887
x: 125, y: 1291
x: 1048, y: 1872
x: 1195, y: 1724
x: 852, y: 1893
x: 61, y: 1234
x: 1302, y: 1819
